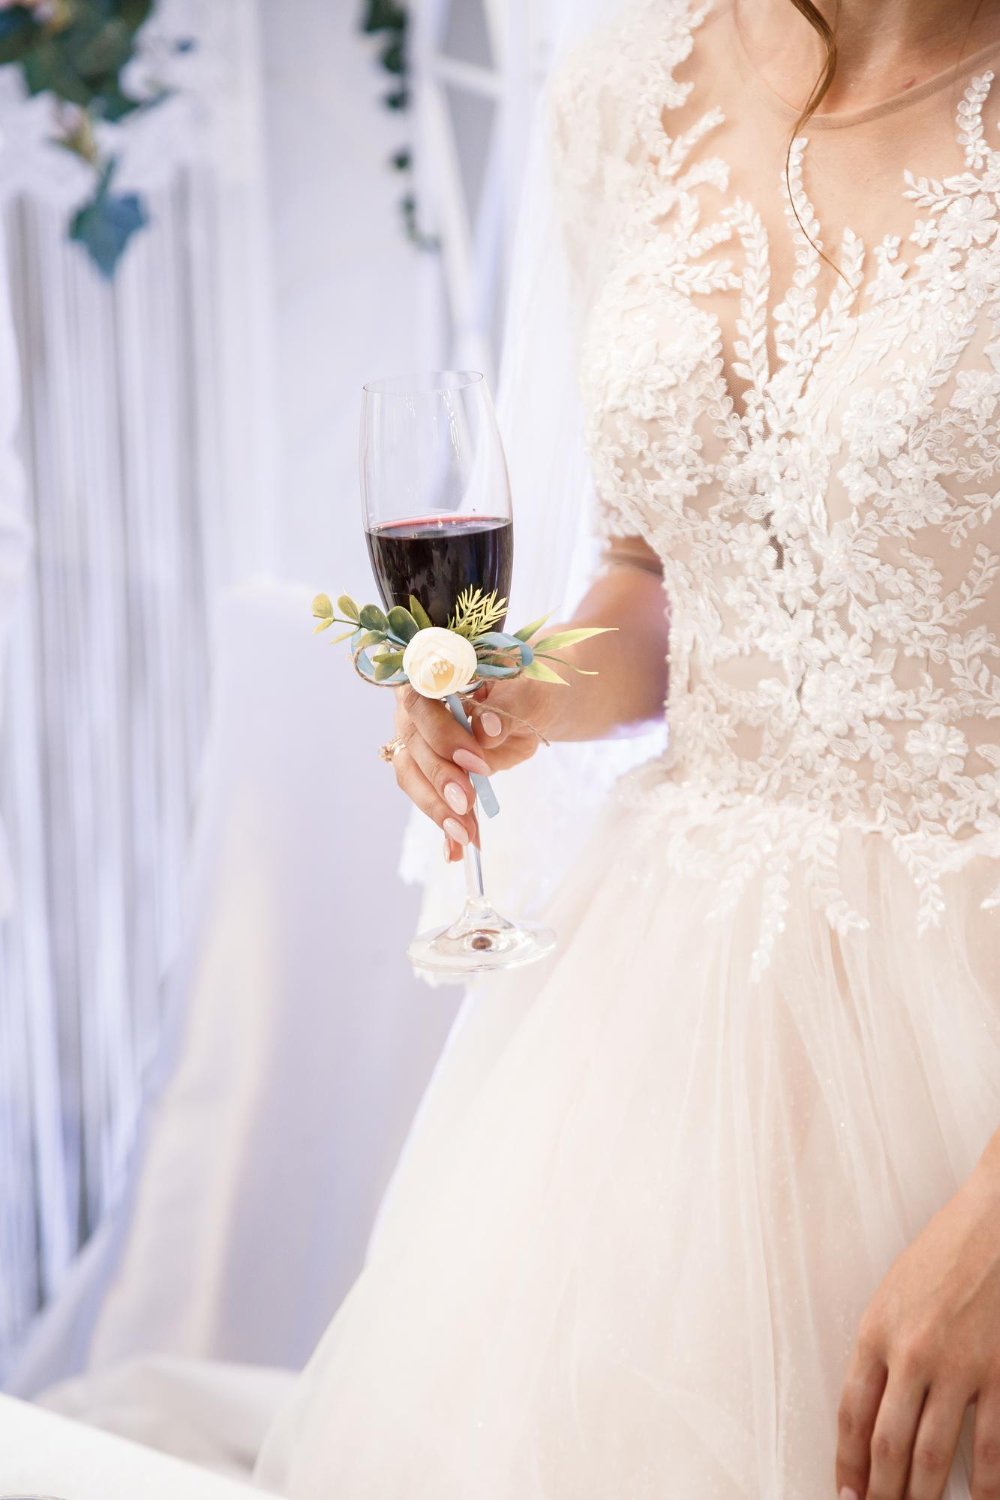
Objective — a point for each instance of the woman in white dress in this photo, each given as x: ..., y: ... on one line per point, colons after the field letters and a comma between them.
x: 727, y: 1167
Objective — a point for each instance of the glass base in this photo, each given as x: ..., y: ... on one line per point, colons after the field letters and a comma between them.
x: 479, y: 941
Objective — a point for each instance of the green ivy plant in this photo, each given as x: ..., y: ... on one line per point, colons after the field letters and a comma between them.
x: 76, y: 51
x: 390, y: 22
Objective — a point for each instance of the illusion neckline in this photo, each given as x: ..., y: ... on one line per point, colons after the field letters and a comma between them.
x: 841, y: 119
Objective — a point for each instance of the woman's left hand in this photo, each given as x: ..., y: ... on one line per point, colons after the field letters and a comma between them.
x: 928, y: 1345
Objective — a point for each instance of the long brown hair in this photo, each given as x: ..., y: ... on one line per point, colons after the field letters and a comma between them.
x: 827, y: 34
x: 828, y: 37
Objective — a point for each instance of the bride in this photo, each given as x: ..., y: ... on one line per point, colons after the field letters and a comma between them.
x: 708, y: 1205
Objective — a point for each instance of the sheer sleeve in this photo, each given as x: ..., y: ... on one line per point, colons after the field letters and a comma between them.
x: 588, y: 160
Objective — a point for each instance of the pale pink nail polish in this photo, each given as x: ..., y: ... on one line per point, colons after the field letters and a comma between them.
x: 492, y: 723
x: 471, y: 763
x: 455, y: 831
x: 447, y: 851
x: 848, y: 1494
x: 456, y: 798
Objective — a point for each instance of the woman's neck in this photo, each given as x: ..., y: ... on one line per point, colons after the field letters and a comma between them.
x: 883, y: 46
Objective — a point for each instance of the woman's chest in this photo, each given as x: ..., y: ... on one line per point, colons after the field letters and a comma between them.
x: 744, y: 359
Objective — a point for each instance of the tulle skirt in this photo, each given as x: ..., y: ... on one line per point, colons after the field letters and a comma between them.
x: 648, y: 1198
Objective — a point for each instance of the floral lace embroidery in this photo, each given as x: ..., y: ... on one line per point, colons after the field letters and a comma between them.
x: 829, y: 531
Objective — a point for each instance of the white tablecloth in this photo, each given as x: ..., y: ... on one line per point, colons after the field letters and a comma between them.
x: 41, y: 1454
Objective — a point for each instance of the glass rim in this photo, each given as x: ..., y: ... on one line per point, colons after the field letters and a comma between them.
x: 424, y: 383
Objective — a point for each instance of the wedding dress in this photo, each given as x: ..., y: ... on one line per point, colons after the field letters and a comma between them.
x: 656, y: 1180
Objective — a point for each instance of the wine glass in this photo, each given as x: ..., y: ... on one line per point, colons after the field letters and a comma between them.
x: 437, y: 516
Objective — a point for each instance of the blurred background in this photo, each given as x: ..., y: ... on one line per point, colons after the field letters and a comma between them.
x: 219, y: 218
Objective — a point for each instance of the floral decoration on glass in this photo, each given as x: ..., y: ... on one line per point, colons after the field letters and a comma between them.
x: 403, y: 646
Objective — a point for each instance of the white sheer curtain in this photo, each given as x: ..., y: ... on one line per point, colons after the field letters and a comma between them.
x: 145, y: 440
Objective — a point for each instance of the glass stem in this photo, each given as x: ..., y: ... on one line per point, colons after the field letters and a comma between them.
x: 475, y: 893
x: 473, y: 860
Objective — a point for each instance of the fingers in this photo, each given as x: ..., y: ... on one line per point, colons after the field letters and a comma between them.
x: 449, y: 781
x: 452, y: 851
x: 434, y: 723
x: 856, y: 1416
x: 938, y: 1432
x: 411, y: 779
x: 895, y: 1428
x: 986, y: 1446
x: 491, y: 729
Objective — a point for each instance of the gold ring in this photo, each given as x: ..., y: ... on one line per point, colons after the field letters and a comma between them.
x: 391, y: 750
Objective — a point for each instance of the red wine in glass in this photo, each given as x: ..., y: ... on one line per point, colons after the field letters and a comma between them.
x: 435, y: 558
x: 437, y: 518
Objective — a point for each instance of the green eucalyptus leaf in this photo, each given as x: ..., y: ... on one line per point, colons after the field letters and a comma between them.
x: 580, y: 671
x: 372, y: 618
x: 324, y: 625
x: 348, y: 608
x: 420, y: 614
x: 322, y: 607
x: 528, y: 631
x: 542, y: 673
x: 387, y: 666
x: 337, y: 638
x: 402, y: 624
x: 571, y: 637
x: 368, y: 638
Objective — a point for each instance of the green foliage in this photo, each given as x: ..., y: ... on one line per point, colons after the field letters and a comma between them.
x: 570, y: 638
x: 105, y: 225
x: 76, y: 51
x: 527, y: 631
x: 420, y: 614
x: 389, y: 20
x: 20, y: 30
x: 542, y: 673
x: 378, y: 640
x: 372, y: 618
x: 402, y: 624
x: 476, y: 612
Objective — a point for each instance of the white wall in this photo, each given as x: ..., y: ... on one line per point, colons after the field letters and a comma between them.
x: 348, y: 285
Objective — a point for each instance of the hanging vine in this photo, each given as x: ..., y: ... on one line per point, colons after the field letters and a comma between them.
x: 76, y: 51
x: 390, y: 21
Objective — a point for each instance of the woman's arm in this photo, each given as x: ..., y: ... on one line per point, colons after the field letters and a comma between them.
x: 631, y: 662
x: 629, y: 691
x: 928, y: 1346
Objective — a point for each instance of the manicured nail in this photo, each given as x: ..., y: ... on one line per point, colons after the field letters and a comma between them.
x: 469, y: 762
x: 848, y: 1494
x: 492, y: 723
x: 447, y: 851
x: 455, y: 831
x: 456, y: 798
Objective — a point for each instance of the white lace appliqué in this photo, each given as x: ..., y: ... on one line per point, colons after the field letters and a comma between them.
x: 826, y: 509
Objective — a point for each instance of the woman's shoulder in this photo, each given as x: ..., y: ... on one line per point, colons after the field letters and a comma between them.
x: 624, y: 73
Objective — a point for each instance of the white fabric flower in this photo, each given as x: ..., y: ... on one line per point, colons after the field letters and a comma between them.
x: 439, y: 662
x: 937, y: 749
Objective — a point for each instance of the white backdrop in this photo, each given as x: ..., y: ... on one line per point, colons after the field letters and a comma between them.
x: 249, y: 1203
x: 145, y: 440
x: 306, y: 987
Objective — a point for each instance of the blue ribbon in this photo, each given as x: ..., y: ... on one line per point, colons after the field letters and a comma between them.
x: 484, y: 789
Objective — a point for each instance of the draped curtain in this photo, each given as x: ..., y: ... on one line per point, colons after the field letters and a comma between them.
x: 145, y: 441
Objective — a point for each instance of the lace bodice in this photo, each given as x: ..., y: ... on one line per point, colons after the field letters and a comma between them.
x: 813, y: 453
